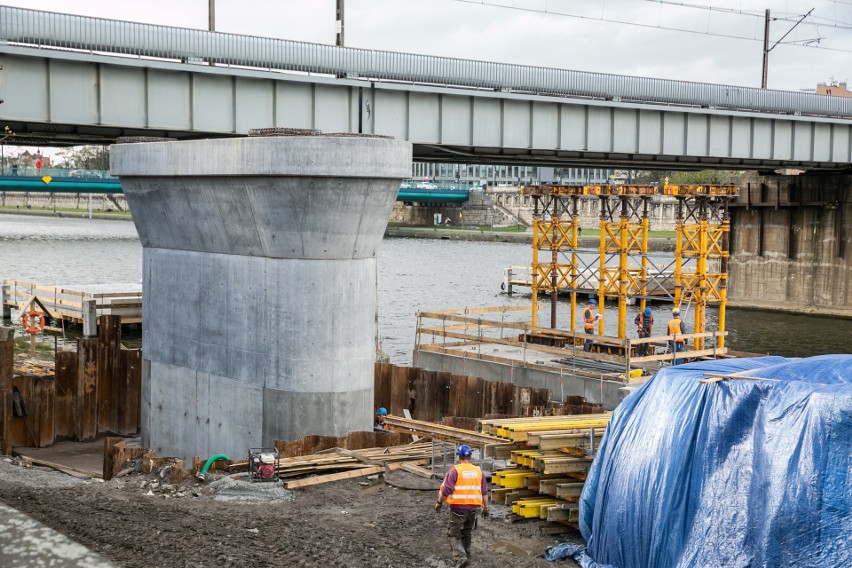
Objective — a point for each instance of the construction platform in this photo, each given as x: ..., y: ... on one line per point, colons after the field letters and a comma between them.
x: 495, y: 344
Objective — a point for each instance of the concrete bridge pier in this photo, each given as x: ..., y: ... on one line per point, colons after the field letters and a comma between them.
x: 260, y: 285
x: 791, y: 244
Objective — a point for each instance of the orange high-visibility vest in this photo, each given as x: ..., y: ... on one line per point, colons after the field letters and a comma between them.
x: 468, y: 489
x: 588, y: 320
x: 674, y: 327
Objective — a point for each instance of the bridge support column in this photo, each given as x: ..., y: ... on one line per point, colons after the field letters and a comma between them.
x: 260, y: 285
x: 792, y: 243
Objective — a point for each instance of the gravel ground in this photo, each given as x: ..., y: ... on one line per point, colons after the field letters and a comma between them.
x: 142, y: 521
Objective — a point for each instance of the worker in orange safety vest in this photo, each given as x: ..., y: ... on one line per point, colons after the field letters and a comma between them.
x: 676, y: 326
x: 466, y: 490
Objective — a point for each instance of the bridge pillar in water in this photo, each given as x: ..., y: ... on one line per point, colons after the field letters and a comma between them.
x: 259, y: 285
x: 791, y: 244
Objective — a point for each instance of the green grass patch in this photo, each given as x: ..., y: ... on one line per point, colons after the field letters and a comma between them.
x: 44, y: 349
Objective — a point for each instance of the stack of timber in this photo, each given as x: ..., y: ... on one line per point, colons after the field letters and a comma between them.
x: 338, y: 464
x: 547, y: 474
x: 491, y: 445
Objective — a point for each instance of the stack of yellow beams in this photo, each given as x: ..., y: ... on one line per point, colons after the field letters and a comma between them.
x: 549, y: 471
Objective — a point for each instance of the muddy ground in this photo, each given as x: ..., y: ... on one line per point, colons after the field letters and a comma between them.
x: 341, y: 524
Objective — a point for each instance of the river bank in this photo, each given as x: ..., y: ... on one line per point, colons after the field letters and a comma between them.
x: 83, y: 214
x: 655, y: 244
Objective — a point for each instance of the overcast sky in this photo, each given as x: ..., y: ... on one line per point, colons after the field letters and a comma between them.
x: 480, y: 29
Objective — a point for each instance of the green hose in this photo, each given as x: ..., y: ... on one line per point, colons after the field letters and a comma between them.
x: 207, y: 465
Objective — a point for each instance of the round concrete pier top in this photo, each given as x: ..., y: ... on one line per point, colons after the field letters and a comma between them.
x: 298, y: 156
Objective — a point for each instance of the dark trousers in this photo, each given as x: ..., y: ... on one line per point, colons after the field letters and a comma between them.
x: 676, y: 346
x: 587, y: 345
x: 642, y: 348
x: 460, y: 532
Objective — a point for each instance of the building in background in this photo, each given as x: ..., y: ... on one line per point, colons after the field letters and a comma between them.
x: 834, y: 89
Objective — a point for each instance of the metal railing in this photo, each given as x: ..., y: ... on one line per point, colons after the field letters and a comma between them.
x: 10, y: 170
x: 49, y: 29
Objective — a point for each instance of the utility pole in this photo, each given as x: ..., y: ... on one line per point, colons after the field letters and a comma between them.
x: 339, y: 42
x: 211, y: 15
x: 767, y: 49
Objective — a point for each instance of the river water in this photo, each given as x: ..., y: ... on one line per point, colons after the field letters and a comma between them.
x: 413, y: 275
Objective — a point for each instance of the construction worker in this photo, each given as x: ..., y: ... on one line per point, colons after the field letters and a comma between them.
x: 465, y: 489
x: 676, y: 326
x: 644, y: 322
x: 589, y: 319
x: 380, y: 425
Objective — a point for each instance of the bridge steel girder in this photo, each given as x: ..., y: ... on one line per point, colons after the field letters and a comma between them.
x: 64, y: 97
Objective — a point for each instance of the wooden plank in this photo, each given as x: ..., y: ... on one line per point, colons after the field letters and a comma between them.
x: 439, y: 390
x: 438, y: 314
x: 416, y: 470
x: 6, y: 421
x: 46, y: 394
x: 66, y: 394
x: 381, y: 385
x: 86, y: 405
x: 110, y: 386
x: 681, y: 355
x: 115, y: 455
x: 76, y: 472
x: 307, y: 482
x: 7, y: 361
x: 130, y: 400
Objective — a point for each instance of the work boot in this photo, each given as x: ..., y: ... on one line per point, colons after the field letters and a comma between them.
x: 459, y: 553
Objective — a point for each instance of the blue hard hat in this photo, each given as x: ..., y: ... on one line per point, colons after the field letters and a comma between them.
x: 382, y: 411
x: 647, y: 311
x: 593, y: 302
x: 464, y: 451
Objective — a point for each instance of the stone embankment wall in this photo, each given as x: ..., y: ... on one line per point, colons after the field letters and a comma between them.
x: 100, y: 202
x: 661, y: 210
x: 791, y: 241
x: 478, y: 210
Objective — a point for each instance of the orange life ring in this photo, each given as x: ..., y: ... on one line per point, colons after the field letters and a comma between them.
x: 27, y: 321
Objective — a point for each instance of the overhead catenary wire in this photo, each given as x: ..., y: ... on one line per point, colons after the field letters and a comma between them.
x: 708, y: 33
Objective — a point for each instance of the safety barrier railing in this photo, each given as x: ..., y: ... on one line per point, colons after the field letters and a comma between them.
x: 49, y: 29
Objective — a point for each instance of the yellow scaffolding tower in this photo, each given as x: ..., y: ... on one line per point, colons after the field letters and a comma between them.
x: 624, y: 228
x: 556, y: 222
x: 622, y: 269
x: 703, y: 233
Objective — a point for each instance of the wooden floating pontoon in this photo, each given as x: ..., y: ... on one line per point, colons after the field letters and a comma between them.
x: 76, y: 304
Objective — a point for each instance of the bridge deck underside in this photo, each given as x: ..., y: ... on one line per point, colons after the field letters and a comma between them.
x: 60, y: 97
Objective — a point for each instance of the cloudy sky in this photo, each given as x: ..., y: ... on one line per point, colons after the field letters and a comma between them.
x: 534, y: 32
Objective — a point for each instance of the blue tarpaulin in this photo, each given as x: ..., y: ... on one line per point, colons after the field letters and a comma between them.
x: 728, y: 473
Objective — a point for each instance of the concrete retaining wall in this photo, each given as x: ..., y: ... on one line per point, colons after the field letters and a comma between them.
x: 593, y: 390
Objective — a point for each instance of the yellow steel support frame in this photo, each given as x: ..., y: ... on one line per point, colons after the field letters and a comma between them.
x: 702, y: 241
x: 558, y: 236
x: 678, y: 275
x: 626, y: 239
x: 602, y: 271
x: 535, y: 283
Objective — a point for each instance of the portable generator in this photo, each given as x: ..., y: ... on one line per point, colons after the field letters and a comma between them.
x: 263, y: 464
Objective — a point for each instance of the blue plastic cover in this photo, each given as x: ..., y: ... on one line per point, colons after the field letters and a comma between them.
x: 730, y: 473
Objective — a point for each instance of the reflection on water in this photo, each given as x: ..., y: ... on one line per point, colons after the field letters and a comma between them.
x: 413, y: 275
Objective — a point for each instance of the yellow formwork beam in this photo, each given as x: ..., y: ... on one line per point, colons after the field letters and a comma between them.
x: 512, y: 478
x: 531, y: 508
